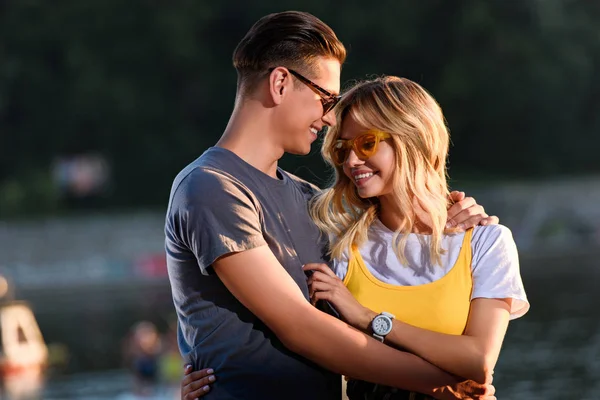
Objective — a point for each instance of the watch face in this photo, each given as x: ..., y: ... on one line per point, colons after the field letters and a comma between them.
x: 382, y: 325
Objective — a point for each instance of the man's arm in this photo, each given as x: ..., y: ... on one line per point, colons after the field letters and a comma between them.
x: 260, y: 283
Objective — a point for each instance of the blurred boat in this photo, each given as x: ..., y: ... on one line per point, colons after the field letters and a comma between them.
x: 23, y: 350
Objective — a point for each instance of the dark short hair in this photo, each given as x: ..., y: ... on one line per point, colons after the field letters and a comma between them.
x: 293, y: 39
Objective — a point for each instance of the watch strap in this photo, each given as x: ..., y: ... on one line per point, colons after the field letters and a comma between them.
x: 379, y: 337
x: 387, y: 314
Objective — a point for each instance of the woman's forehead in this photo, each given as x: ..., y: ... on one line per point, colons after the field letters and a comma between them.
x: 350, y: 127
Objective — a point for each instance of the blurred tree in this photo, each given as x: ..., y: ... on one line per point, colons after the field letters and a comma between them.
x: 150, y: 84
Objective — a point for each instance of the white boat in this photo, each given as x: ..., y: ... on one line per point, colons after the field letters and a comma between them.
x: 23, y: 349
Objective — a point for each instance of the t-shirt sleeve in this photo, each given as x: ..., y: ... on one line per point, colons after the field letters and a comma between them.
x: 495, y: 267
x: 340, y: 265
x: 214, y: 215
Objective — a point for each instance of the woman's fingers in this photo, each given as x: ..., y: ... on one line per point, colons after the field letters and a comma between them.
x: 318, y: 286
x: 322, y: 283
x: 324, y: 268
x: 321, y: 295
x: 195, y: 394
x: 319, y: 282
x: 196, y: 384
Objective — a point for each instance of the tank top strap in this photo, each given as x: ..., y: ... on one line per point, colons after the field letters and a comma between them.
x: 466, y: 254
x: 354, y: 263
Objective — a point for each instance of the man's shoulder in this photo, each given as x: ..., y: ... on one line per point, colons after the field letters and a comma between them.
x: 305, y: 186
x: 211, y: 168
x: 205, y: 183
x: 197, y: 179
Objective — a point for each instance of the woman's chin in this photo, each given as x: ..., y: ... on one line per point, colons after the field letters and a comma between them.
x: 364, y: 193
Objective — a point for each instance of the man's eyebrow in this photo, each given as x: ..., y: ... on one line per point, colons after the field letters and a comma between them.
x: 332, y: 92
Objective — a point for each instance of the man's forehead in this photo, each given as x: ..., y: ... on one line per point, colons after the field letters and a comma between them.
x: 329, y: 71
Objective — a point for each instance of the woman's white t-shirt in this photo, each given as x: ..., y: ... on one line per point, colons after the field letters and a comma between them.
x: 494, y: 266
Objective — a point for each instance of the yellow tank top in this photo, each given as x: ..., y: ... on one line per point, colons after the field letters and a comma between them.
x: 440, y: 306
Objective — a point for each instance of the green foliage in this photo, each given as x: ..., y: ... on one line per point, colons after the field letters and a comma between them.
x: 150, y: 84
x: 29, y: 194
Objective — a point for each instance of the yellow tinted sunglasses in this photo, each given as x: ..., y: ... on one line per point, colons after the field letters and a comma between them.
x: 364, y: 146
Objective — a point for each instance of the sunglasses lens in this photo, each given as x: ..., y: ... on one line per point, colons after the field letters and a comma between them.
x: 339, y: 153
x: 366, y: 145
x: 327, y: 105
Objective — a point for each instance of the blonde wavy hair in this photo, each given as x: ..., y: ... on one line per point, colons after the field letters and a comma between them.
x: 420, y: 140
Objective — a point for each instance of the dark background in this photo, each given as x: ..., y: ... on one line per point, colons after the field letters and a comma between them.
x: 149, y: 85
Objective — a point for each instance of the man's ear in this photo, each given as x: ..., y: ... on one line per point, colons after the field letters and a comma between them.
x: 279, y: 84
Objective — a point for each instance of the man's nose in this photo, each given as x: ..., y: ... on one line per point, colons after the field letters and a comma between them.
x: 329, y: 118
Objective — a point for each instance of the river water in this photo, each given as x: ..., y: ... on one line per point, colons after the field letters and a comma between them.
x: 554, y: 351
x: 551, y: 353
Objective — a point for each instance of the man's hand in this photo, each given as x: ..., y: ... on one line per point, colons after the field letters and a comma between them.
x: 466, y: 390
x: 465, y: 213
x: 195, y: 384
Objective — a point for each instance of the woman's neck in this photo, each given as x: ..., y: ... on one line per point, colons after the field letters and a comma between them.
x: 393, y: 218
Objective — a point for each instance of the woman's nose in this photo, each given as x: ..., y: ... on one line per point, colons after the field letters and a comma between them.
x: 353, y: 160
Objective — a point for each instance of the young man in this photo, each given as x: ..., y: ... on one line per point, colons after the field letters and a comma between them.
x: 238, y: 233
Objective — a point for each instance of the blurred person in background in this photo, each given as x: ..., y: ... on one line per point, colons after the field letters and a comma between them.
x: 444, y: 295
x: 238, y: 233
x: 142, y: 351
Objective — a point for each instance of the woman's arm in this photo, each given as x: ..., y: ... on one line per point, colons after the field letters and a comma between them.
x: 472, y: 355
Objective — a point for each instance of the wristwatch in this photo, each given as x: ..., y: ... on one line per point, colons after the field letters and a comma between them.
x: 382, y: 325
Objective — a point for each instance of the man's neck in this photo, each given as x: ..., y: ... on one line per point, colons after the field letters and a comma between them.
x: 249, y: 135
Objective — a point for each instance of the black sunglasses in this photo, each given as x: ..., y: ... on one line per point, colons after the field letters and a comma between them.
x: 328, y: 99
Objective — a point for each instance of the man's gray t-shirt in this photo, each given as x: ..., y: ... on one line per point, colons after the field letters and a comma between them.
x: 219, y: 204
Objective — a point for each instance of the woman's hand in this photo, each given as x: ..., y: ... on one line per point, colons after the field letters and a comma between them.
x: 195, y: 384
x: 323, y: 284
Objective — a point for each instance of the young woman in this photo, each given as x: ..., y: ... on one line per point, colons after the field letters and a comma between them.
x: 446, y: 296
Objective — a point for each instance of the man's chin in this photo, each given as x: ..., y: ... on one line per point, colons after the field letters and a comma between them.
x: 297, y: 151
